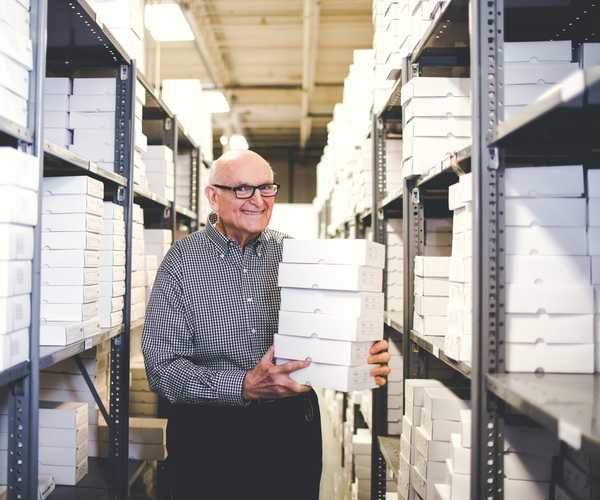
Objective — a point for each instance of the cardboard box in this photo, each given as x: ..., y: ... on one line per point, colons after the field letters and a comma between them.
x: 94, y: 86
x: 430, y: 450
x: 71, y: 438
x: 60, y: 333
x: 65, y: 475
x: 70, y: 294
x: 70, y: 276
x: 551, y: 300
x: 435, y: 87
x: 18, y: 205
x: 460, y: 484
x: 430, y: 325
x: 330, y: 327
x: 334, y: 303
x: 84, y: 120
x: 519, y: 73
x: 112, y: 273
x: 544, y: 241
x: 93, y: 103
x: 16, y: 242
x: 76, y: 240
x: 339, y: 378
x: 15, y: 313
x: 73, y: 185
x: 62, y: 456
x: 322, y: 350
x: 551, y: 328
x: 549, y: 358
x: 439, y: 430
x: 68, y: 312
x: 544, y: 182
x: 431, y: 306
x: 432, y: 287
x: 443, y: 404
x: 334, y: 251
x: 112, y: 242
x: 432, y: 267
x: 325, y: 277
x: 15, y: 278
x: 67, y: 222
x: 24, y: 169
x: 556, y: 212
x: 112, y: 211
x: 547, y: 270
x: 14, y: 348
x: 63, y: 415
x: 70, y: 258
x: 415, y: 390
x: 536, y: 52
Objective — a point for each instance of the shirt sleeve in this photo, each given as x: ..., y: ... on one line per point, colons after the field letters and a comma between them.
x: 168, y: 348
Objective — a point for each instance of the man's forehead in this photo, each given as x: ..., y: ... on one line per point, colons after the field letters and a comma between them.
x: 245, y: 172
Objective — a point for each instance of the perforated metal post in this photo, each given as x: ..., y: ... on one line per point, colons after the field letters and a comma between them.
x: 119, y: 355
x: 488, y: 315
x: 195, y: 189
x: 379, y: 415
x: 170, y: 134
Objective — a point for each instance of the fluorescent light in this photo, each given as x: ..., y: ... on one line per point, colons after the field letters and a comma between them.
x: 237, y: 141
x: 215, y: 101
x: 166, y: 23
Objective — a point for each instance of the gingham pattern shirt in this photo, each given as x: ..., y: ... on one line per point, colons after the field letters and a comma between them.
x: 212, y: 314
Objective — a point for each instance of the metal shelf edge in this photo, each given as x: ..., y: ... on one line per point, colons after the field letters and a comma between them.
x: 427, y: 344
x: 15, y: 130
x: 390, y: 449
x: 14, y: 373
x: 186, y: 212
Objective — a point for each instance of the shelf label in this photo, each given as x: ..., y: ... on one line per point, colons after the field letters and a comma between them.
x: 569, y: 434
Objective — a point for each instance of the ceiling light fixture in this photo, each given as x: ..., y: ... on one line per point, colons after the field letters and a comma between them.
x: 237, y: 142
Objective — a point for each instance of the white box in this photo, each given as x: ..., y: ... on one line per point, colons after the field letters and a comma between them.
x: 433, y: 451
x: 114, y: 289
x: 18, y: 205
x: 84, y: 120
x: 94, y: 86
x: 461, y: 457
x: 594, y: 240
x: 595, y: 269
x: 159, y: 153
x: 453, y: 106
x: 593, y: 177
x: 542, y: 241
x: 547, y: 182
x: 15, y: 313
x: 519, y: 73
x: 460, y: 484
x: 442, y: 404
x: 74, y: 294
x: 68, y: 312
x: 336, y: 377
x: 98, y: 153
x: 336, y: 327
x: 59, y: 333
x: 415, y: 390
x: 73, y: 185
x: 536, y: 52
x: 58, y: 86
x: 110, y: 242
x: 322, y: 350
x: 14, y: 348
x: 113, y: 227
x: 432, y: 267
x: 56, y: 119
x: 430, y: 325
x: 439, y: 430
x: 334, y: 251
x: 110, y: 319
x: 112, y: 211
x: 431, y: 306
x: 71, y: 258
x: 551, y: 328
x: 63, y: 415
x: 548, y: 358
x: 435, y: 87
x: 594, y: 212
x: 16, y: 242
x: 590, y: 55
x: 551, y: 300
x: 162, y: 236
x: 333, y: 303
x: 432, y: 287
x: 65, y: 475
x: 93, y: 103
x: 70, y: 276
x: 72, y: 204
x: 555, y: 212
x: 20, y: 169
x: 76, y: 240
x: 62, y: 456
x: 15, y: 278
x: 112, y: 258
x: 325, y: 277
x: 545, y: 270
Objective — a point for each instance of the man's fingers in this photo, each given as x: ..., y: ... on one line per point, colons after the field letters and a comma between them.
x: 380, y: 381
x: 292, y: 366
x: 379, y: 346
x: 268, y: 356
x: 284, y: 381
x: 382, y: 371
x: 379, y: 359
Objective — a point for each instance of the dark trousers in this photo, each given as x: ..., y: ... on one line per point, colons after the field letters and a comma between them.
x: 267, y: 451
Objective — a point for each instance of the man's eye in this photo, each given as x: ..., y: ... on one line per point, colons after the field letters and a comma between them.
x: 243, y: 189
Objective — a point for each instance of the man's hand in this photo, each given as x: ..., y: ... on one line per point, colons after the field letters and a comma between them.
x: 380, y: 356
x: 269, y: 381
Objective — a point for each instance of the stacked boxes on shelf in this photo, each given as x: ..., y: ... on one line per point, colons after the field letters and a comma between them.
x: 593, y: 185
x: 395, y: 266
x: 147, y: 438
x: 70, y: 275
x: 364, y: 177
x: 457, y: 484
x: 331, y: 310
x: 457, y: 343
x: 531, y: 69
x: 361, y: 451
x: 138, y: 272
x: 438, y: 237
x: 548, y: 278
x: 113, y: 266
x: 395, y: 392
x: 141, y: 141
x: 18, y: 214
x: 63, y: 452
x: 160, y: 171
x: 437, y: 123
x: 431, y: 292
x: 57, y: 93
x: 393, y: 166
x: 16, y: 60
x: 142, y: 401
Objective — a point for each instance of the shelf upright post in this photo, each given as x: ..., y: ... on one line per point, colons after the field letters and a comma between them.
x: 195, y: 188
x: 119, y: 355
x: 488, y: 314
x: 23, y: 395
x: 379, y: 415
x: 171, y: 127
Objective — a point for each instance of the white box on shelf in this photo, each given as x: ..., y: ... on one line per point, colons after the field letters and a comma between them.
x: 16, y: 242
x: 301, y: 324
x: 435, y: 326
x: 541, y: 241
x: 332, y: 302
x: 435, y: 87
x: 556, y: 212
x: 56, y: 119
x: 594, y: 240
x: 593, y: 177
x: 326, y: 277
x: 527, y: 467
x: 544, y: 270
x: 112, y: 242
x: 14, y: 348
x: 432, y: 287
x: 519, y: 74
x: 443, y: 404
x: 70, y: 276
x: 57, y: 86
x: 536, y: 52
x: 114, y: 289
x: 68, y: 312
x: 322, y: 350
x: 61, y: 333
x: 549, y: 358
x: 113, y: 227
x: 62, y: 456
x: 532, y: 490
x: 336, y: 377
x: 76, y: 240
x: 112, y: 211
x: 15, y: 277
x: 24, y: 169
x: 431, y: 450
x: 15, y: 313
x: 439, y: 430
x: 65, y: 475
x: 551, y: 300
x: 547, y: 182
x: 431, y: 306
x: 94, y: 86
x: 59, y: 136
x: 18, y: 205
x: 72, y: 222
x: 73, y: 185
x: 73, y: 294
x: 72, y: 204
x: 93, y: 103
x: 334, y: 251
x: 432, y: 267
x: 85, y: 120
x: 63, y: 415
x: 594, y: 212
x: 112, y: 258
x: 461, y: 456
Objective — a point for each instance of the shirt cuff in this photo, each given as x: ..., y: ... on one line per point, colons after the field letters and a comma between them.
x: 230, y: 387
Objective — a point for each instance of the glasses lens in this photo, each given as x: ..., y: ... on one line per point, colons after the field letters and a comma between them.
x: 243, y: 191
x: 268, y: 189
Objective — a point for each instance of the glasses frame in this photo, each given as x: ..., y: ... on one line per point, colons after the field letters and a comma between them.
x: 254, y: 188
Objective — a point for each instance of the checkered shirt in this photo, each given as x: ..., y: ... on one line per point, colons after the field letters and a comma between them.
x: 212, y: 314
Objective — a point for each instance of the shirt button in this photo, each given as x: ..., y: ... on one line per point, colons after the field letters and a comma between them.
x: 249, y: 299
x: 253, y: 330
x: 245, y: 270
x: 259, y: 254
x: 222, y: 255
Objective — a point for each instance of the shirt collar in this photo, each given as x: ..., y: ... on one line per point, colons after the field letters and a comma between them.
x: 223, y: 243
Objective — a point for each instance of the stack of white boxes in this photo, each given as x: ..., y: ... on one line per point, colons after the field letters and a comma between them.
x: 141, y: 141
x: 593, y: 185
x: 147, y: 438
x: 57, y: 93
x: 431, y: 296
x: 393, y: 166
x: 113, y: 266
x: 158, y: 242
x: 589, y: 55
x: 16, y: 60
x: 19, y: 182
x: 410, y: 421
x: 457, y: 343
x: 364, y: 177
x: 70, y: 276
x: 395, y: 266
x: 395, y: 391
x: 142, y: 401
x: 160, y: 170
x: 531, y: 69
x: 548, y: 279
x: 438, y: 237
x: 361, y: 451
x: 63, y: 452
x: 331, y: 310
x: 138, y: 273
x: 437, y: 123
x: 183, y: 181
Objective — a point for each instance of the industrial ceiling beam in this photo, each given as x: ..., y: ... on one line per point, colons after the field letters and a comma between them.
x: 310, y: 46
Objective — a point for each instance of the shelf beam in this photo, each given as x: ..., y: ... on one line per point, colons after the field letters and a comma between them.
x: 310, y: 51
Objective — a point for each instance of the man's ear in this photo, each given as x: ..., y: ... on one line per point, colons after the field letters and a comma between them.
x: 211, y: 195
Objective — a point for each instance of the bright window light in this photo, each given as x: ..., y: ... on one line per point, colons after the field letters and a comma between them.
x: 237, y: 141
x: 166, y: 23
x: 215, y: 101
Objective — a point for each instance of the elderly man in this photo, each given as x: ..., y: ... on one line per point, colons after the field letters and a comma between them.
x: 239, y: 426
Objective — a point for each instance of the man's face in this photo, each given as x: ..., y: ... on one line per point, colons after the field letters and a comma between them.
x: 246, y: 217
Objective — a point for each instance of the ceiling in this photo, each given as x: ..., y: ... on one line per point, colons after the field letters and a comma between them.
x: 281, y: 63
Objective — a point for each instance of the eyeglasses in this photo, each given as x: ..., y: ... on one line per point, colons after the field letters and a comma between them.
x: 245, y: 191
